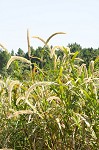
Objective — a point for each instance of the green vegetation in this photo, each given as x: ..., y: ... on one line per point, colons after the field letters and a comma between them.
x: 49, y: 98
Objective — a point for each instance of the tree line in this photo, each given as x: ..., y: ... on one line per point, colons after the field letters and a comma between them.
x: 18, y: 69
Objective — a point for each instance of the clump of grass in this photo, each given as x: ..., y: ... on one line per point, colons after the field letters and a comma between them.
x: 58, y: 110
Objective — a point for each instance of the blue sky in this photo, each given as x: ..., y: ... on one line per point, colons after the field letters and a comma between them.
x: 78, y: 18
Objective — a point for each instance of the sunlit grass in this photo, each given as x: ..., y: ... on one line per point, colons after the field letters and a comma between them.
x: 57, y: 109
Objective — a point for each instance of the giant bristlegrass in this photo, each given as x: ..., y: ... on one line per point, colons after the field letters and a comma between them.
x: 57, y: 110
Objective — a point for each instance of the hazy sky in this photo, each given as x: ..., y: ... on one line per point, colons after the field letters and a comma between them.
x: 78, y: 18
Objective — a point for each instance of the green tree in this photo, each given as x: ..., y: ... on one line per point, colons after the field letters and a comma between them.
x: 4, y: 57
x: 20, y: 52
x: 75, y: 47
x: 88, y: 54
x: 12, y: 52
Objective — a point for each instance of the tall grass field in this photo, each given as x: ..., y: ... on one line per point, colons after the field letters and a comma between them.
x: 55, y: 108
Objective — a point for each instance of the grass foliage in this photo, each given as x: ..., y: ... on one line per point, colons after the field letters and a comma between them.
x: 57, y: 109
